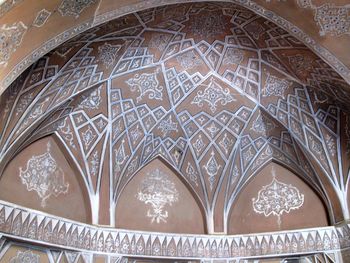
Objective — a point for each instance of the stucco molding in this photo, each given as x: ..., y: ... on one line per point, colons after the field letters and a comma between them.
x: 37, y: 227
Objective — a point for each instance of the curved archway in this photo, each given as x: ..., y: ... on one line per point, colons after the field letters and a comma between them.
x: 158, y: 81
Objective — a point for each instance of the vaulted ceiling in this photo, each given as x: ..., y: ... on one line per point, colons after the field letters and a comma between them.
x: 213, y: 89
x: 43, y: 25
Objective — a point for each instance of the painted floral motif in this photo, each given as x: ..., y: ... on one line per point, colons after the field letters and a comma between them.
x: 135, y: 133
x: 74, y: 7
x: 262, y: 125
x: 107, y: 53
x: 23, y: 103
x: 43, y: 175
x: 277, y: 198
x: 120, y: 157
x: 132, y: 166
x: 233, y: 56
x: 25, y: 257
x: 198, y: 145
x: 333, y: 19
x: 66, y: 132
x: 316, y: 146
x: 88, y: 137
x: 159, y: 41
x: 212, y: 129
x: 189, y: 60
x: 92, y: 101
x: 146, y: 83
x: 207, y: 25
x: 255, y: 29
x: 167, y: 125
x: 235, y: 174
x: 248, y: 155
x: 158, y: 191
x: 304, y: 3
x: 95, y: 163
x: 36, y: 112
x: 226, y: 143
x: 331, y: 145
x: 212, y: 167
x: 6, y: 6
x: 213, y: 94
x: 192, y: 174
x: 41, y: 18
x: 300, y: 64
x: 10, y: 39
x: 275, y: 86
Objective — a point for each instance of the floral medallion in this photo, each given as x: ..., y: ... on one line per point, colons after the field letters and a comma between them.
x: 43, y: 176
x: 158, y: 191
x: 277, y: 198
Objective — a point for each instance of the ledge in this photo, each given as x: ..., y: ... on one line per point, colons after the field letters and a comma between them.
x: 39, y: 228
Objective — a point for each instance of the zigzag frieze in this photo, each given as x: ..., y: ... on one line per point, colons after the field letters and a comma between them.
x: 28, y: 225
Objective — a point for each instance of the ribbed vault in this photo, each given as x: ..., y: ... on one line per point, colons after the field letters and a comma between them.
x: 214, y: 90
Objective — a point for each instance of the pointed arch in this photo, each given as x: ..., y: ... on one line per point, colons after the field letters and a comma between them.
x: 157, y: 198
x: 44, y: 179
x: 330, y: 194
x: 257, y: 214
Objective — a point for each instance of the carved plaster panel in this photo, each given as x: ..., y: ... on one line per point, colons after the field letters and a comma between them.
x: 331, y: 19
x: 158, y: 191
x: 43, y: 176
x: 10, y: 39
x: 74, y: 8
x: 277, y: 198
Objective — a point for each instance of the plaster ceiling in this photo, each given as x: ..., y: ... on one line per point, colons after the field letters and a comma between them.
x: 44, y: 25
x: 211, y: 88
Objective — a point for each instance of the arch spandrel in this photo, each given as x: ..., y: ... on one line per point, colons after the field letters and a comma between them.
x: 252, y: 209
x: 41, y: 178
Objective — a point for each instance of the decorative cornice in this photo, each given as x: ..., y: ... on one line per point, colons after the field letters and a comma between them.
x: 39, y: 228
x: 333, y: 61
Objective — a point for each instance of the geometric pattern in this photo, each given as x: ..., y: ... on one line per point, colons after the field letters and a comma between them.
x: 90, y: 239
x: 125, y: 90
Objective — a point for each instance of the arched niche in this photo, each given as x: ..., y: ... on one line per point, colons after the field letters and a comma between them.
x: 155, y: 187
x: 40, y: 177
x: 251, y: 213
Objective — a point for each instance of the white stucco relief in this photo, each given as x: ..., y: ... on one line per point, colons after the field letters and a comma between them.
x: 277, y: 198
x: 157, y: 190
x: 43, y: 175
